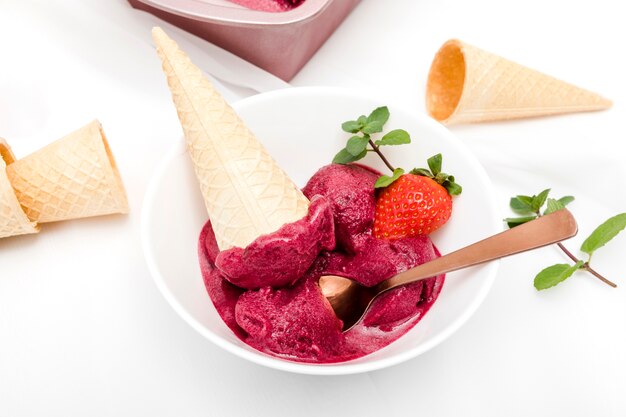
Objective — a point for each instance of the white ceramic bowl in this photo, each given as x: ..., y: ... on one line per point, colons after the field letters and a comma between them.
x: 301, y: 128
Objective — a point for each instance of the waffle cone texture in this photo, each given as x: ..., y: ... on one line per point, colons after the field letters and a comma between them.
x: 71, y: 178
x: 245, y: 192
x: 467, y: 85
x: 13, y: 220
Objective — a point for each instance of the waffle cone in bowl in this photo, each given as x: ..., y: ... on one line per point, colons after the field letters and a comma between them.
x: 245, y: 192
x: 467, y: 84
x: 73, y: 177
x: 13, y: 220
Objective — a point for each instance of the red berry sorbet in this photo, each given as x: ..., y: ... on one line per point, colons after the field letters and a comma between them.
x: 268, y: 295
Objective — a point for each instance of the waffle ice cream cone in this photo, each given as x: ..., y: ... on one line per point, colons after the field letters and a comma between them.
x: 74, y: 177
x: 467, y: 84
x: 13, y: 220
x: 245, y: 192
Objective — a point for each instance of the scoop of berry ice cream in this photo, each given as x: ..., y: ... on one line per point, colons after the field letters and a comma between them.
x: 350, y: 191
x: 281, y: 258
x: 295, y: 322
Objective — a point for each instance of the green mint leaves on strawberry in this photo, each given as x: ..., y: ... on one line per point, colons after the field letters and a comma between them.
x: 361, y: 143
x: 386, y: 180
x: 530, y: 208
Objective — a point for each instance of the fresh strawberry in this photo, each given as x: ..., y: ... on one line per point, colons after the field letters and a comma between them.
x: 414, y: 204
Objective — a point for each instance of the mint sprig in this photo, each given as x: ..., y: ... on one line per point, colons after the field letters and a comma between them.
x: 555, y: 274
x: 361, y: 143
x: 530, y: 207
x: 362, y: 128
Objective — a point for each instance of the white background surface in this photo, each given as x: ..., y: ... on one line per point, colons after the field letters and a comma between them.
x: 84, y: 331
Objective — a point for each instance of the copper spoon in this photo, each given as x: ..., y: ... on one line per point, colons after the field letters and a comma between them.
x: 350, y: 300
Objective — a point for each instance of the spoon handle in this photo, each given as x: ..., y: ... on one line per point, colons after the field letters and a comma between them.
x: 543, y: 231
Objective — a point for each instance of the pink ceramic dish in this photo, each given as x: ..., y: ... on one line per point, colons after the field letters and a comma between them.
x: 280, y: 43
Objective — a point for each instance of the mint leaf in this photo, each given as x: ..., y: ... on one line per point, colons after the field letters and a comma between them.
x: 553, y: 205
x: 380, y: 114
x: 385, y: 180
x: 566, y: 200
x: 604, y: 233
x: 555, y: 274
x: 526, y: 200
x: 345, y: 157
x: 395, y: 137
x: 540, y: 199
x: 521, y: 206
x: 376, y: 120
x: 516, y: 221
x: 362, y: 120
x: 434, y: 163
x: 357, y: 144
x: 373, y: 127
x: 351, y: 126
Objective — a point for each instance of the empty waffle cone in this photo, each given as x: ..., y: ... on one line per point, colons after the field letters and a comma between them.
x: 245, y: 192
x: 13, y: 220
x: 73, y: 177
x: 467, y: 84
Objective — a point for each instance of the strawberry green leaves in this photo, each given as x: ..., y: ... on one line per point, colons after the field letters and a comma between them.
x: 362, y: 128
x: 435, y: 163
x: 530, y: 207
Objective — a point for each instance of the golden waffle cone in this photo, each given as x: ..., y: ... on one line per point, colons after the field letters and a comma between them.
x: 467, y: 84
x: 13, y: 220
x: 74, y: 177
x: 245, y: 192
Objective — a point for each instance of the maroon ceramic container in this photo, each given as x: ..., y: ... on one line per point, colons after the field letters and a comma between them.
x: 280, y: 43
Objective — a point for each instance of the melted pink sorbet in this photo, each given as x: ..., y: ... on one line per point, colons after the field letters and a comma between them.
x: 268, y: 295
x: 269, y: 5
